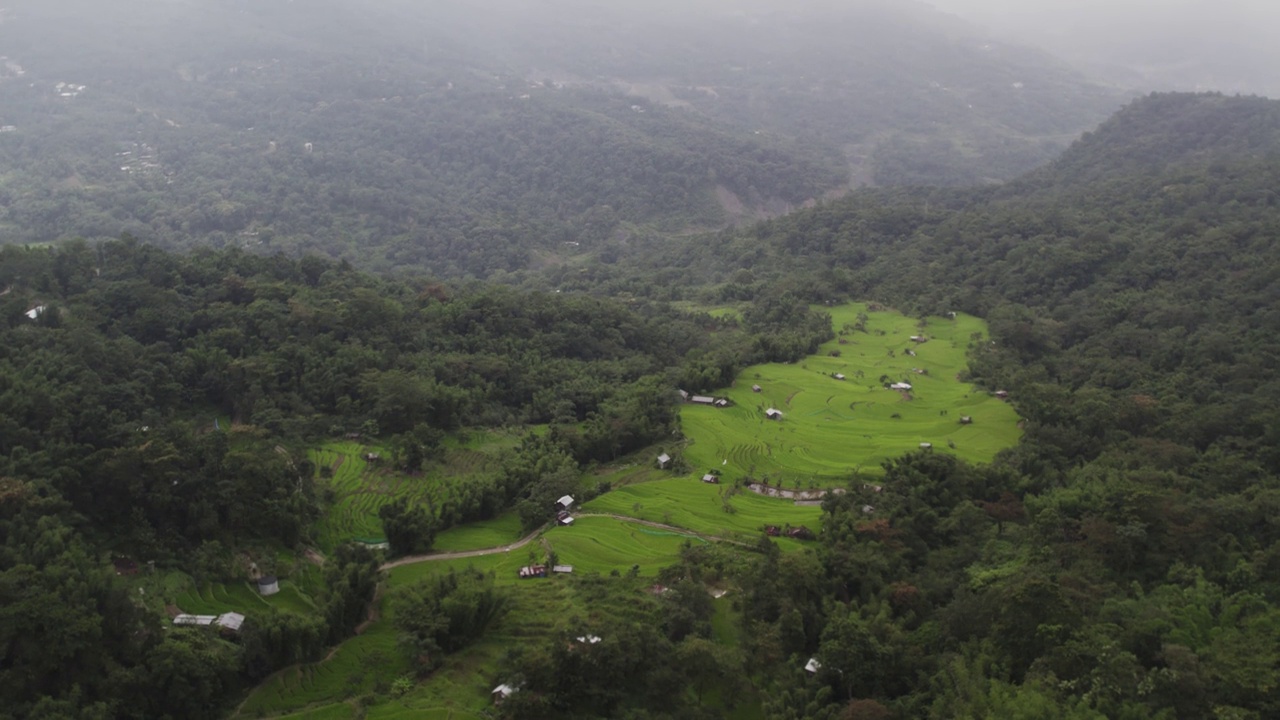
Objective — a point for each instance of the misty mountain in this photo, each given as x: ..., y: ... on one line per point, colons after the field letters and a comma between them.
x: 495, y: 136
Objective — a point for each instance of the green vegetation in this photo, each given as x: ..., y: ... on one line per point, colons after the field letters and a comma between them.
x: 832, y: 429
x: 699, y: 506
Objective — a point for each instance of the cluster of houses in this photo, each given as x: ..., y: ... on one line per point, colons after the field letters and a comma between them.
x: 229, y: 622
x: 797, y: 533
x: 562, y: 510
x: 529, y: 572
x: 704, y: 400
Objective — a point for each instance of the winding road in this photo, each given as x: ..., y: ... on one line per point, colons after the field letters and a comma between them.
x: 461, y: 554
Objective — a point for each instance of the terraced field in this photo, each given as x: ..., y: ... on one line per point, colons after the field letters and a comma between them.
x: 833, y: 428
x: 691, y: 503
x: 360, y: 488
x: 217, y: 598
x: 459, y: 689
x: 595, y: 544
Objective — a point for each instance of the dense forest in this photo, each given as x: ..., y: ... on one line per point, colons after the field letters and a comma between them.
x: 1120, y: 562
x: 117, y: 358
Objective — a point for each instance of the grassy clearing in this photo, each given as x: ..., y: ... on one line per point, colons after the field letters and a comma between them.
x: 594, y: 544
x: 479, y: 535
x: 691, y: 503
x: 833, y: 428
x: 360, y: 489
x: 538, y: 610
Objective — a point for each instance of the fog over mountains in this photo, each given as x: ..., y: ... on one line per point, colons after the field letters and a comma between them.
x: 1231, y: 46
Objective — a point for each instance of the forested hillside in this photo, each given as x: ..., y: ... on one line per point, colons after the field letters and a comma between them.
x: 485, y: 139
x: 158, y: 407
x: 1130, y: 569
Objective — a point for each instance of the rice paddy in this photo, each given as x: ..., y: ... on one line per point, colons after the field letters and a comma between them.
x: 831, y: 427
x: 831, y: 430
x: 360, y: 488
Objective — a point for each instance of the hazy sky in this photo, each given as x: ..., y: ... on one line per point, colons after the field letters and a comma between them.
x: 1227, y: 45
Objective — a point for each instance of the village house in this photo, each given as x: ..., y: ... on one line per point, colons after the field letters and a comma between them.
x: 562, y: 569
x: 839, y: 376
x: 565, y: 502
x: 711, y: 478
x: 664, y: 461
x: 702, y: 400
x: 533, y: 571
x: 268, y: 585
x: 773, y: 414
x: 564, y: 518
x: 900, y: 386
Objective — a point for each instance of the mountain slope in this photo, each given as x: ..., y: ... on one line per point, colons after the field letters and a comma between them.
x: 497, y: 136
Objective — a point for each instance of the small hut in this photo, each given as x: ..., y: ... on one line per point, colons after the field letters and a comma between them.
x: 664, y: 461
x: 502, y: 692
x: 1002, y: 394
x: 839, y: 376
x: 711, y: 478
x: 533, y: 571
x: 562, y: 569
x: 756, y: 389
x: 773, y: 414
x: 966, y: 420
x: 565, y: 502
x: 926, y: 446
x: 268, y: 585
x: 564, y: 518
x: 813, y: 666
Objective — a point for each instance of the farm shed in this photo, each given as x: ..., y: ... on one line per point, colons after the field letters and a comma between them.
x: 664, y: 461
x: 502, y: 692
x: 564, y: 518
x: 711, y: 479
x: 565, y: 502
x: 563, y: 569
x: 813, y: 666
x: 756, y: 388
x: 230, y: 621
x: 900, y: 386
x: 702, y: 400
x: 773, y: 414
x: 1002, y: 394
x: 919, y: 339
x: 533, y: 571
x: 838, y: 376
x: 35, y: 312
x: 195, y: 620
x: 926, y: 446
x: 268, y: 585
x: 801, y: 533
x: 722, y: 403
x: 966, y: 420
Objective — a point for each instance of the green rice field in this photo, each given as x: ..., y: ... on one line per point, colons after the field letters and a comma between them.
x: 832, y: 428
x: 690, y: 503
x: 360, y: 488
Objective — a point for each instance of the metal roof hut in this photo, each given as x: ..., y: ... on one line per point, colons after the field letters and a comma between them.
x: 711, y: 478
x: 664, y: 461
x: 565, y: 502
x: 502, y: 692
x: 268, y: 585
x: 813, y: 666
x: 773, y: 414
x: 756, y: 389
